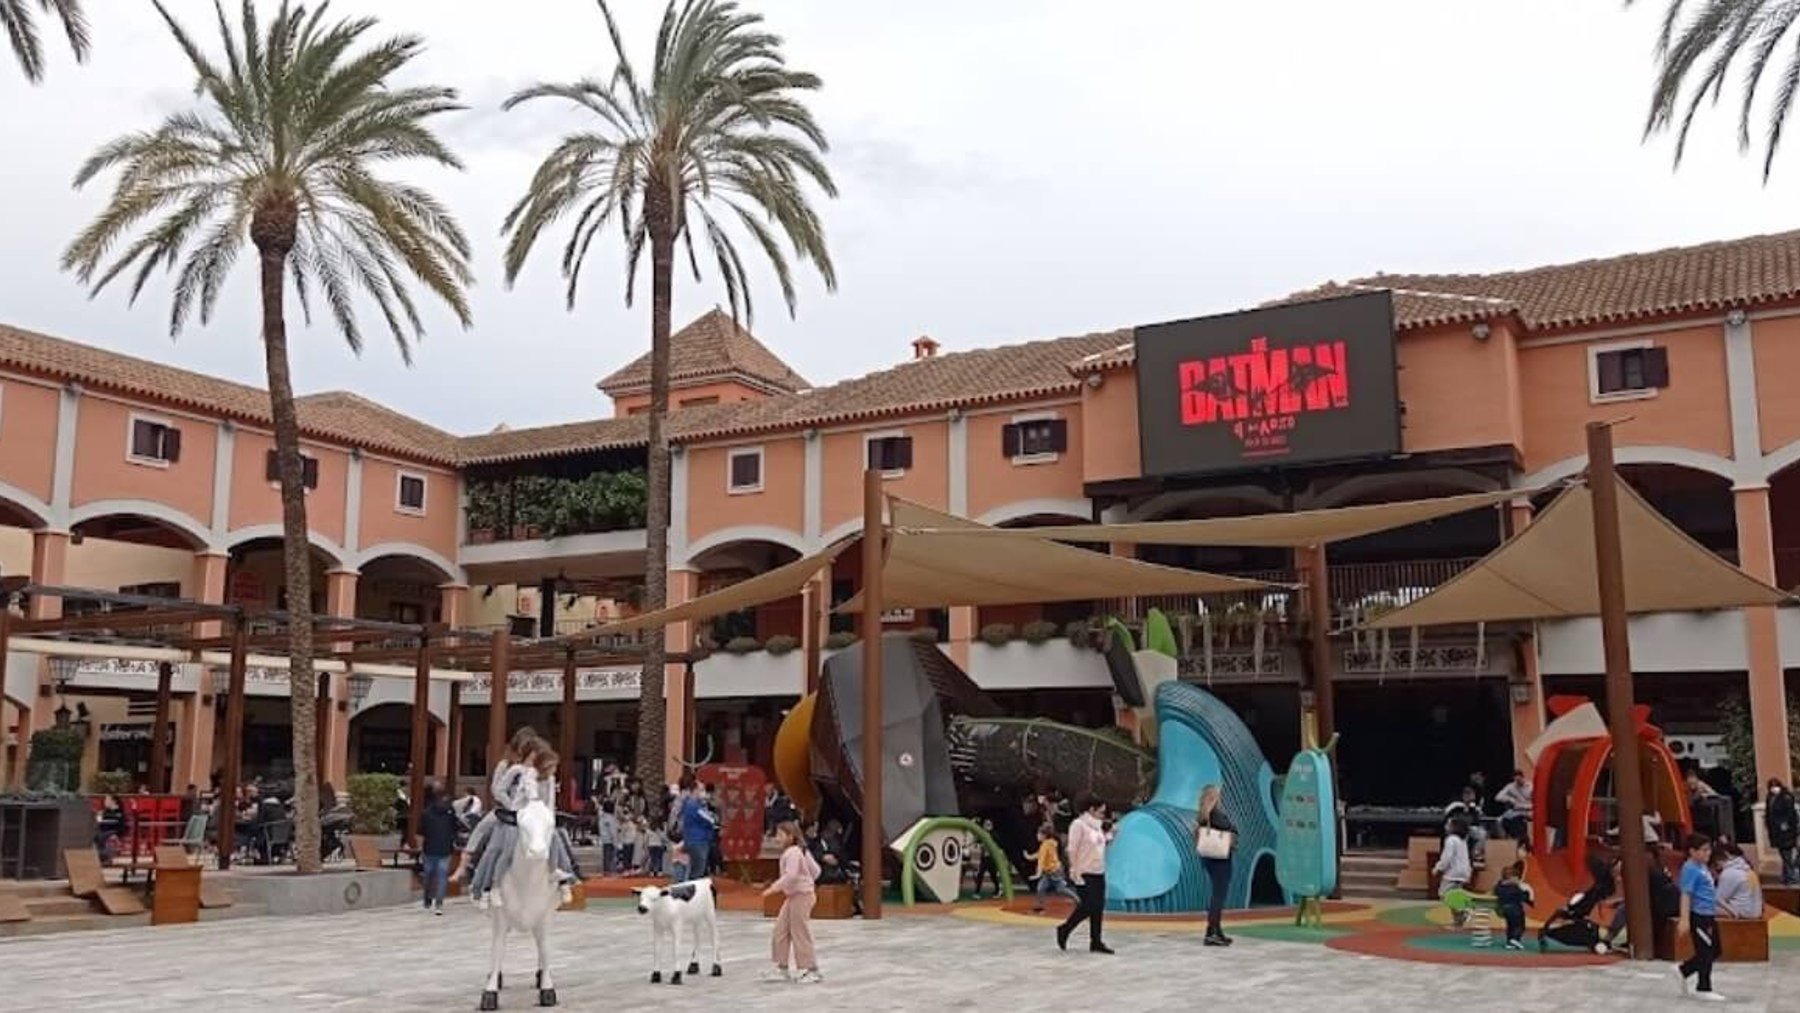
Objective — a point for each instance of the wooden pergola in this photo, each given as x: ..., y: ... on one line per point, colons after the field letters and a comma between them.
x: 226, y: 637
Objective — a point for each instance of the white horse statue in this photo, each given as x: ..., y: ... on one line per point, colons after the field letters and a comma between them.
x: 532, y: 894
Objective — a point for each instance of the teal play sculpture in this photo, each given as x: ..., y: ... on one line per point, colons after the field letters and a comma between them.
x: 1152, y: 867
x: 1306, y: 853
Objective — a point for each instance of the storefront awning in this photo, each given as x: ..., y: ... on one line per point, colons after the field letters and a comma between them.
x: 935, y: 560
x: 1548, y: 571
x: 1298, y: 529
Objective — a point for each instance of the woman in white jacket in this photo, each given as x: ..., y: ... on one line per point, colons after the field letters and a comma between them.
x: 1088, y: 837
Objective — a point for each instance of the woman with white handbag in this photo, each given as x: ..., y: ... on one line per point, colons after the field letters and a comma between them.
x: 1214, y: 836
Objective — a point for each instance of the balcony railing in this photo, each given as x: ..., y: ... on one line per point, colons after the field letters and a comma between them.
x: 1355, y: 587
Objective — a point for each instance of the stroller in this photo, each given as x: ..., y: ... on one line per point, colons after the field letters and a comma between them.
x: 1571, y: 924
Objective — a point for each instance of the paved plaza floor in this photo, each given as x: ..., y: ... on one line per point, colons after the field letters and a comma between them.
x: 404, y: 959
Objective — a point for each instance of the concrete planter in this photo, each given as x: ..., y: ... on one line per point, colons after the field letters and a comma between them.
x: 1053, y: 664
x: 332, y: 892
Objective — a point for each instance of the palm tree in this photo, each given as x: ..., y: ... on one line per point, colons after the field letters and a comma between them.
x: 281, y: 150
x: 1694, y: 55
x: 20, y: 24
x: 715, y: 136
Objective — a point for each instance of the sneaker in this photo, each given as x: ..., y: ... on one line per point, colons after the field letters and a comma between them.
x: 774, y: 976
x: 1515, y: 944
x: 568, y: 895
x: 810, y: 978
x: 1213, y: 941
x: 482, y: 903
x: 1682, y: 977
x: 1062, y: 937
x: 1100, y: 948
x: 438, y: 911
x: 1710, y: 997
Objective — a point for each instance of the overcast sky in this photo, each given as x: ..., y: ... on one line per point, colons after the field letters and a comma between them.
x: 1010, y: 169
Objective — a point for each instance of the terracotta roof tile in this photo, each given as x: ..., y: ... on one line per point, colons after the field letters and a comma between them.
x: 712, y: 347
x: 336, y: 415
x: 943, y: 381
x: 1690, y: 279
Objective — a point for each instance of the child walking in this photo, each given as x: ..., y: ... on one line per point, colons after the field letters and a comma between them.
x: 1049, y: 869
x: 656, y: 844
x: 1512, y: 896
x: 792, y: 930
x: 1699, y: 914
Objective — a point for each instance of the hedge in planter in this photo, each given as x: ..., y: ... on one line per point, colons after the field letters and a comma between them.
x: 742, y: 645
x: 112, y: 782
x: 1038, y: 632
x: 840, y: 640
x: 55, y: 761
x: 997, y: 634
x: 372, y: 798
x: 781, y: 644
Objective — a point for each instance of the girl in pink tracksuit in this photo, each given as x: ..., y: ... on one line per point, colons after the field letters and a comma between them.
x: 792, y: 930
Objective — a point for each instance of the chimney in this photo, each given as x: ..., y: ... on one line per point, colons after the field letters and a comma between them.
x: 924, y: 347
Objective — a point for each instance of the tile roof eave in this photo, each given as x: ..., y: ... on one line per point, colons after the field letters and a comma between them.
x: 174, y: 399
x: 863, y: 414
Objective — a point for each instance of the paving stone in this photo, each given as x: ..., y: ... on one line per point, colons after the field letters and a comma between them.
x: 402, y: 959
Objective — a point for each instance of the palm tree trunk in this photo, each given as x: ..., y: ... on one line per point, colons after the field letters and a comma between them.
x: 653, y: 732
x: 274, y: 237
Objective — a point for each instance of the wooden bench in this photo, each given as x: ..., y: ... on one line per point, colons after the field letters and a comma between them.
x: 1782, y: 898
x: 1741, y: 941
x: 831, y: 901
x: 88, y: 882
x: 175, y: 892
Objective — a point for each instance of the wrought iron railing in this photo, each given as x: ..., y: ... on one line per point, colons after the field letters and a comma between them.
x: 1355, y: 589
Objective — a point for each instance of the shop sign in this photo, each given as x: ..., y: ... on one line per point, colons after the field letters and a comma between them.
x: 1300, y: 384
x: 133, y: 732
x: 596, y: 679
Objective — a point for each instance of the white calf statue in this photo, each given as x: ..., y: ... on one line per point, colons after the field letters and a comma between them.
x: 685, y: 909
x: 532, y: 894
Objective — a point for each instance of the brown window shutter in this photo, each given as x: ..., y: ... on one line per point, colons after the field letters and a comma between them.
x: 1610, y: 367
x: 171, y: 444
x: 1656, y: 367
x: 272, y: 467
x: 1011, y: 439
x: 1059, y: 435
x: 309, y: 472
x: 902, y: 453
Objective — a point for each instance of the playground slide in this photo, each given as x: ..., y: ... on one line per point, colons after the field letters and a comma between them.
x: 1151, y: 865
x: 1552, y: 882
x: 1011, y: 756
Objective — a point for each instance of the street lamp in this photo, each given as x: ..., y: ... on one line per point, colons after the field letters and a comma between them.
x: 360, y: 685
x: 221, y: 681
x: 63, y: 668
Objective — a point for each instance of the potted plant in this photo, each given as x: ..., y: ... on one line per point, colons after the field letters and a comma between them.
x: 1038, y: 632
x: 741, y: 646
x: 997, y: 634
x: 781, y: 644
x: 924, y: 635
x: 372, y: 799
x: 112, y: 782
x: 840, y: 640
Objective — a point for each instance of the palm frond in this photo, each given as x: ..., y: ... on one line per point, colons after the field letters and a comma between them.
x: 19, y: 22
x: 295, y: 112
x: 1698, y: 44
x: 717, y: 126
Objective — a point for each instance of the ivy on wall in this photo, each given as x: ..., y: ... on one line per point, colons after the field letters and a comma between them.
x: 538, y: 507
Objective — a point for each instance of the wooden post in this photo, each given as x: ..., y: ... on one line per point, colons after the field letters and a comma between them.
x: 874, y: 842
x: 453, y: 755
x: 421, y: 731
x: 322, y: 730
x: 1324, y: 689
x: 566, y: 741
x: 234, y: 739
x: 22, y: 734
x: 500, y: 671
x: 811, y: 624
x: 690, y: 717
x: 1615, y: 639
x: 159, y: 732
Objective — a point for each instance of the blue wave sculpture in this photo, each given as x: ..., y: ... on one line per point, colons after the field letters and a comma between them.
x: 1151, y: 866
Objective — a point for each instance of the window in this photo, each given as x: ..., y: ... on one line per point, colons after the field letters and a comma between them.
x: 405, y: 612
x: 1625, y: 372
x: 155, y: 589
x: 696, y: 402
x: 309, y: 469
x: 642, y: 409
x: 744, y: 470
x: 154, y: 442
x: 890, y: 453
x: 409, y: 493
x: 1028, y: 440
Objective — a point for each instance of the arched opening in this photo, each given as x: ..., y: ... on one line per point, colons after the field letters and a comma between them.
x: 724, y: 565
x: 256, y: 575
x: 1784, y: 516
x: 381, y: 739
x: 400, y: 589
x: 1698, y: 502
x: 742, y: 729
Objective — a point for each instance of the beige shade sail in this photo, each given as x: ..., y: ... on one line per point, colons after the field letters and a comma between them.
x: 781, y: 582
x: 949, y: 562
x: 1277, y: 530
x: 1548, y: 571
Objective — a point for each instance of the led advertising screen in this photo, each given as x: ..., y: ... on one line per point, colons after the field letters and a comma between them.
x: 1288, y: 385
